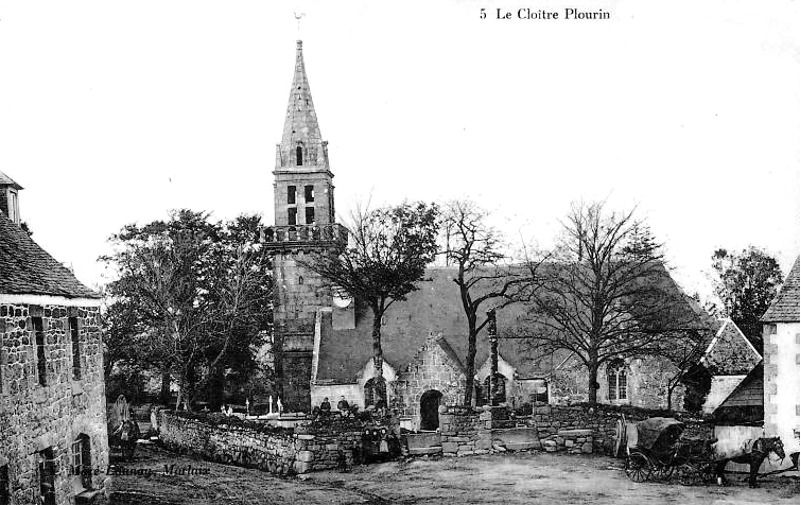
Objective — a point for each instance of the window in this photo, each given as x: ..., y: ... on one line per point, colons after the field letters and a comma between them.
x: 540, y: 393
x: 308, y: 193
x: 292, y: 216
x: 290, y: 194
x: 47, y: 476
x: 299, y: 155
x: 76, y: 349
x: 41, y: 364
x: 13, y: 210
x: 5, y: 488
x: 372, y: 388
x: 500, y: 395
x: 309, y: 215
x: 618, y: 383
x: 82, y: 460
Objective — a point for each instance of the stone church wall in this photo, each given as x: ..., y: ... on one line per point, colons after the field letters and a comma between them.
x: 647, y: 383
x: 433, y: 369
x: 36, y: 417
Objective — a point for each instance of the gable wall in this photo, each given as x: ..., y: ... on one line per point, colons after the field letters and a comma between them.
x: 36, y: 417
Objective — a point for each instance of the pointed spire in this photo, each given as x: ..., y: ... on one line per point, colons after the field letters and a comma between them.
x: 300, y: 126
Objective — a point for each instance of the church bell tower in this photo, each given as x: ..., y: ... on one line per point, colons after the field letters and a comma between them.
x: 304, y: 225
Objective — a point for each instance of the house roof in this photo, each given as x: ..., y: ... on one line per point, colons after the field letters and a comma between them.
x: 730, y: 352
x: 749, y: 392
x: 784, y: 308
x: 8, y: 181
x: 436, y: 307
x: 26, y: 268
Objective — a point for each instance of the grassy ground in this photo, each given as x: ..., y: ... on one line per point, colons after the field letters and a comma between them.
x: 511, y: 479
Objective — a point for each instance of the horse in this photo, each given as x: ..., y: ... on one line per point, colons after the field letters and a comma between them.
x: 752, y: 452
x: 125, y: 437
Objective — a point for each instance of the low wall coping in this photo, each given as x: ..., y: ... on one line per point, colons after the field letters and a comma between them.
x: 574, y: 433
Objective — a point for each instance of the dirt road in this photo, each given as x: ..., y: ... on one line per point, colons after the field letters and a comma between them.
x: 522, y: 478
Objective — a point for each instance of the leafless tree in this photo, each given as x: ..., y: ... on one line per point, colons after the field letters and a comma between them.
x: 388, y: 251
x: 607, y: 293
x: 475, y: 249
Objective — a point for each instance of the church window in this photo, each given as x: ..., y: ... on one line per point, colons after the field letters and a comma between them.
x: 299, y: 155
x: 540, y: 393
x: 41, y: 364
x: 290, y: 194
x: 309, y: 215
x: 618, y: 382
x: 292, y: 216
x: 308, y: 193
x: 500, y: 395
x: 373, y: 390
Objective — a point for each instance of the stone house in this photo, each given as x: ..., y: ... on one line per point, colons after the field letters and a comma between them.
x: 729, y: 357
x: 52, y: 399
x: 781, y: 330
x: 322, y: 339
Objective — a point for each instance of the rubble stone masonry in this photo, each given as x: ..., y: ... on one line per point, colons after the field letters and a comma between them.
x: 36, y: 417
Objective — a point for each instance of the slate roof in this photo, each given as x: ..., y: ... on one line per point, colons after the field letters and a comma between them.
x: 436, y: 307
x: 26, y: 268
x: 749, y: 393
x: 784, y: 308
x: 8, y: 181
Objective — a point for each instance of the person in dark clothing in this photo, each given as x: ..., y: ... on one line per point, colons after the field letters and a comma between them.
x: 325, y: 407
x: 342, y: 406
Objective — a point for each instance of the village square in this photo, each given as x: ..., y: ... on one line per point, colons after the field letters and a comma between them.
x: 391, y: 351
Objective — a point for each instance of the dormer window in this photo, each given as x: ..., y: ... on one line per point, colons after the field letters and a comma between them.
x: 299, y: 155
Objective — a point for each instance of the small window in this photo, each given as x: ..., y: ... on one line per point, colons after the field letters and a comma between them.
x: 76, y: 348
x: 290, y: 194
x: 500, y: 394
x: 309, y: 215
x: 5, y: 487
x: 47, y: 477
x: 540, y: 393
x: 41, y: 364
x: 771, y: 329
x: 292, y: 216
x: 82, y: 460
x: 308, y: 193
x: 299, y: 155
x: 300, y: 280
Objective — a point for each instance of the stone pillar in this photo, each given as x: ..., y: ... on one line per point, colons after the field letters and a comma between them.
x: 492, y: 332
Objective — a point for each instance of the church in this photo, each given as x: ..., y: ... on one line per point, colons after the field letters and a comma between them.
x: 322, y: 338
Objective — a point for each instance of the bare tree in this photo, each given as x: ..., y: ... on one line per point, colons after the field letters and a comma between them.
x: 682, y: 351
x: 607, y: 294
x: 475, y: 249
x: 388, y: 251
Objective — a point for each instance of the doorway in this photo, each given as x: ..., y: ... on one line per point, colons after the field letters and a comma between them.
x: 429, y: 410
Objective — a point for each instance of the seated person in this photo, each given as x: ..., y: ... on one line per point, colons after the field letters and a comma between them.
x: 325, y: 407
x: 342, y: 405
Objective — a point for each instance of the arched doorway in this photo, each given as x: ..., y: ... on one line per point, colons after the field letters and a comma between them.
x: 429, y: 410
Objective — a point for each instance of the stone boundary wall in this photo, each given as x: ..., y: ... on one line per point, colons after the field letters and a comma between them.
x: 553, y: 428
x: 281, y: 452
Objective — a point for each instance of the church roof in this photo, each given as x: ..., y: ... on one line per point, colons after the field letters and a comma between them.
x: 8, y: 181
x: 301, y: 119
x: 26, y: 268
x: 784, y: 308
x: 434, y: 307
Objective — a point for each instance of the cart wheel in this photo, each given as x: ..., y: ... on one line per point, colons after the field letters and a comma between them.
x: 662, y: 472
x: 638, y: 468
x: 689, y: 475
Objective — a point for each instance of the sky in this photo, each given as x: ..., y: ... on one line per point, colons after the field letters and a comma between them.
x: 117, y: 112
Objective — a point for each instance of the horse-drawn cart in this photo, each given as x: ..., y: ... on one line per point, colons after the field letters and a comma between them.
x: 659, y: 454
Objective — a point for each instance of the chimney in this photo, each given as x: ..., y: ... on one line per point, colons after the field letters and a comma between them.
x: 9, y: 198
